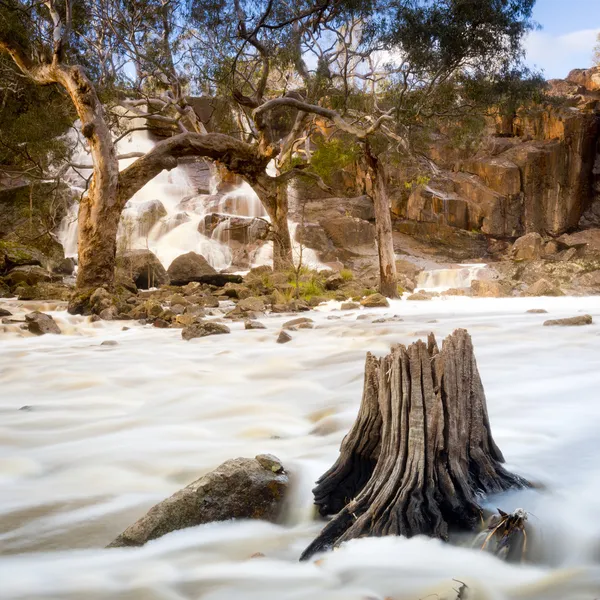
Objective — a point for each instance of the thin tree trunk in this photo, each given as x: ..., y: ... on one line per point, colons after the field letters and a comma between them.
x: 388, y: 285
x: 417, y: 460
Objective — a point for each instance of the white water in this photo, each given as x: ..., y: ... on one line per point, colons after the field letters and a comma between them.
x: 177, y: 232
x: 114, y: 429
x: 460, y: 276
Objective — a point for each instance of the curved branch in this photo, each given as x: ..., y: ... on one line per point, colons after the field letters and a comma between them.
x: 239, y: 157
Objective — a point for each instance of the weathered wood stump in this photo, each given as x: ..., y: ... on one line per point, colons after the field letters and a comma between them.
x: 420, y: 454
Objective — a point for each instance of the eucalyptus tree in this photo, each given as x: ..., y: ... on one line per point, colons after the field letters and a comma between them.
x: 402, y: 66
x: 90, y: 50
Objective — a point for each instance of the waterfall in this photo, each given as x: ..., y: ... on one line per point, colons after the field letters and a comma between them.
x: 164, y: 216
x: 460, y: 276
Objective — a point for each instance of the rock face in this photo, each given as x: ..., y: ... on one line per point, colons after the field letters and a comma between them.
x: 144, y: 268
x: 189, y: 267
x: 537, y: 172
x: 244, y: 235
x: 242, y: 488
x: 40, y: 323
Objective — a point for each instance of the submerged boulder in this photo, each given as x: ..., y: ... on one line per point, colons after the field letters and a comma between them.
x: 40, y: 323
x: 189, y: 267
x: 144, y: 268
x: 570, y: 321
x: 241, y: 488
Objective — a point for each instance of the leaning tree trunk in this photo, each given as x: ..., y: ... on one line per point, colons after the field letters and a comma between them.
x: 274, y: 198
x: 388, y: 285
x: 420, y: 453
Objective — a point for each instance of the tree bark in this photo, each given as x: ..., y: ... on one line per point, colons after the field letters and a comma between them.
x: 429, y: 436
x: 274, y: 197
x: 388, y: 285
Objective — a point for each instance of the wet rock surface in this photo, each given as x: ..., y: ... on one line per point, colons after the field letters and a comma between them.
x: 241, y: 488
x: 40, y: 323
x: 203, y: 329
x: 570, y: 321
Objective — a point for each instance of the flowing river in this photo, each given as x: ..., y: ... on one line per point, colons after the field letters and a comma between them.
x: 91, y: 436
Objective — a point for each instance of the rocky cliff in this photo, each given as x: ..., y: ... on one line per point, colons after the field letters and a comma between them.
x: 538, y: 172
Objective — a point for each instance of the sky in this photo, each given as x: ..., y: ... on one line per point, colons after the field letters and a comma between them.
x: 567, y: 36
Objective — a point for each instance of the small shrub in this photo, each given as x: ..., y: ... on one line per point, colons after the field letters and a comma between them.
x: 346, y: 275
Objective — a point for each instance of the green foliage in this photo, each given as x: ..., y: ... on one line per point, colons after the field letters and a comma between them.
x: 346, y: 275
x: 417, y: 181
x: 333, y: 155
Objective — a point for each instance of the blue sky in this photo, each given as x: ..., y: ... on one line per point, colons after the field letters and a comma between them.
x: 567, y: 37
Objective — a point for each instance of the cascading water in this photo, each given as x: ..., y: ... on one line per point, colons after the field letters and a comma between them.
x: 165, y: 216
x: 461, y: 276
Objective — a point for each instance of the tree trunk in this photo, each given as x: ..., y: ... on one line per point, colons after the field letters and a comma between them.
x: 99, y: 210
x: 274, y: 198
x: 420, y: 453
x: 388, y: 285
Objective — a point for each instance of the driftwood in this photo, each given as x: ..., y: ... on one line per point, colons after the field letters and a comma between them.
x: 420, y: 454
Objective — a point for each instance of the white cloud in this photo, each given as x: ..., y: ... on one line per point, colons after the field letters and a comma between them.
x: 559, y: 54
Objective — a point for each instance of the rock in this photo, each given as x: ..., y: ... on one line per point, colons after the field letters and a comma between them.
x: 160, y: 324
x: 188, y: 268
x: 542, y: 287
x: 5, y: 313
x: 252, y: 304
x: 283, y: 337
x: 202, y: 329
x: 588, y: 241
x: 177, y: 309
x: 374, y: 301
x: 108, y: 314
x: 109, y: 343
x: 144, y: 268
x: 482, y: 288
x: 334, y: 282
x: 220, y: 279
x: 580, y: 320
x: 66, y: 266
x: 141, y: 217
x: 349, y: 306
x: 299, y: 323
x: 249, y: 324
x: 14, y: 254
x: 241, y: 488
x: 457, y: 292
x: 349, y: 233
x: 40, y: 323
x: 420, y: 295
x: 28, y: 275
x: 100, y: 300
x: 536, y: 311
x: 528, y: 247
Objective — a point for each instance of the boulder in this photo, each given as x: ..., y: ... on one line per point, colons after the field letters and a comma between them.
x: 28, y: 275
x: 349, y: 233
x: 334, y: 282
x: 249, y: 324
x: 220, y: 279
x: 349, y: 306
x: 588, y: 241
x: 241, y: 488
x: 40, y: 323
x: 251, y: 304
x: 189, y: 267
x: 202, y: 329
x: 528, y: 247
x: 144, y: 268
x: 570, y: 321
x: 283, y: 337
x: 420, y: 295
x: 298, y: 323
x: 542, y: 287
x: 5, y: 313
x: 483, y: 288
x: 66, y: 266
x: 374, y: 301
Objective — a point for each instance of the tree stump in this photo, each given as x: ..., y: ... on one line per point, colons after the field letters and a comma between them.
x: 420, y: 454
